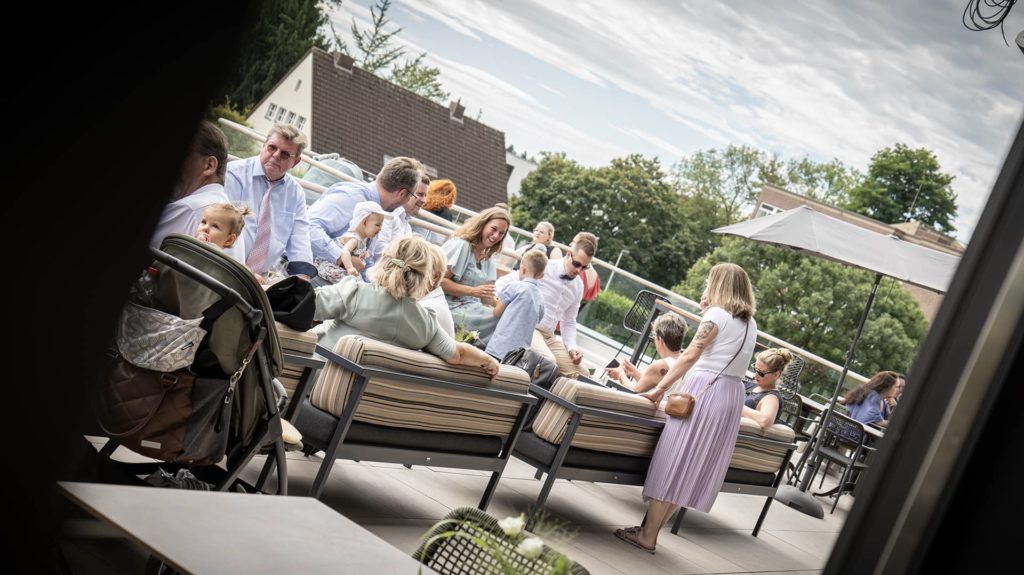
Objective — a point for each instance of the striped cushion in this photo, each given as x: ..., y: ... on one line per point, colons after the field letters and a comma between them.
x: 753, y: 457
x: 596, y: 433
x: 412, y: 406
x: 295, y: 343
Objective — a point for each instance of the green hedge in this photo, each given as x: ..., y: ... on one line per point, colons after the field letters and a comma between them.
x: 604, y: 315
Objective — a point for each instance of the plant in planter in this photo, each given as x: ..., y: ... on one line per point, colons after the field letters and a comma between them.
x: 471, y: 542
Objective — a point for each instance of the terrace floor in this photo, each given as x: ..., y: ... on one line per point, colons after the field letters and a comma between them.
x: 400, y: 504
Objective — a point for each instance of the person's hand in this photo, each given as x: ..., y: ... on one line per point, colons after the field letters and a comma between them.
x: 484, y: 291
x: 654, y: 394
x: 576, y: 356
x: 630, y: 369
x: 260, y: 279
x: 359, y: 264
x: 491, y: 368
x: 614, y: 372
x: 352, y: 271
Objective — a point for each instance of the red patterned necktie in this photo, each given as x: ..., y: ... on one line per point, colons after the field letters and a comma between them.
x: 257, y: 260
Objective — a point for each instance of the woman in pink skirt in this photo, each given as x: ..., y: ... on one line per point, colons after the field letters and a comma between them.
x: 689, y: 464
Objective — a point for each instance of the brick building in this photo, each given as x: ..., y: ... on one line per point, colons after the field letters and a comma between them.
x: 342, y: 108
x: 774, y: 199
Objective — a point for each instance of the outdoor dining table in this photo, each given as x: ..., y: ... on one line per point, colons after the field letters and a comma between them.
x: 219, y: 532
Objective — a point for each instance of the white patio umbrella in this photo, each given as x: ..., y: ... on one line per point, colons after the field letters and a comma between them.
x: 817, y: 234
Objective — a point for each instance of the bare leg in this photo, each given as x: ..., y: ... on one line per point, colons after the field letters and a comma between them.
x: 658, y: 513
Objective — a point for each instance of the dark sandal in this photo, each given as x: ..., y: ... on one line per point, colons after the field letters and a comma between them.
x: 631, y: 535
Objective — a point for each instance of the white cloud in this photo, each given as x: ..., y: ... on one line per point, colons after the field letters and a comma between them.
x: 827, y: 81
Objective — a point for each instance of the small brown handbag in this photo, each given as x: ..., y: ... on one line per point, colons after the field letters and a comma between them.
x: 680, y: 404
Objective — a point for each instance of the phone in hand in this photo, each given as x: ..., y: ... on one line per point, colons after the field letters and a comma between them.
x: 612, y: 364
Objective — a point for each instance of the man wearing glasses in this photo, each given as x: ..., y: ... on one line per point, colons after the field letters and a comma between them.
x: 562, y: 290
x: 277, y: 225
x: 399, y: 226
x: 331, y: 213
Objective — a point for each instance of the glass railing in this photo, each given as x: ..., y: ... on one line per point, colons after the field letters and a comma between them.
x: 619, y: 287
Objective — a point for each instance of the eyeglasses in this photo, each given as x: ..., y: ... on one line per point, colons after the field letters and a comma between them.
x: 420, y: 197
x: 763, y: 373
x: 274, y: 150
x: 577, y: 264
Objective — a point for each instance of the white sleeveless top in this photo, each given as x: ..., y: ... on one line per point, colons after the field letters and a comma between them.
x: 723, y: 348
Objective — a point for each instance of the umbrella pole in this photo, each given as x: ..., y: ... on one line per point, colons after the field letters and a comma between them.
x: 811, y: 467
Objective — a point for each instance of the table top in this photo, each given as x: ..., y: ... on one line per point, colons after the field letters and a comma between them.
x: 217, y: 532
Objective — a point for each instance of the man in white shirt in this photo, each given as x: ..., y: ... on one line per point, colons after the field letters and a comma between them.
x: 262, y: 182
x: 201, y: 184
x: 399, y: 226
x: 562, y: 290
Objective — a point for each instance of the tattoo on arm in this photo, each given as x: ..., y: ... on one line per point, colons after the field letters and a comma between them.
x: 703, y: 331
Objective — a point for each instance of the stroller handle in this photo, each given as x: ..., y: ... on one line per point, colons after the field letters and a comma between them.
x: 251, y: 313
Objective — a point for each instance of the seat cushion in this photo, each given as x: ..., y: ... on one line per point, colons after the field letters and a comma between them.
x: 595, y: 433
x: 390, y: 403
x: 755, y: 457
x: 317, y: 426
x: 295, y: 343
x: 533, y: 447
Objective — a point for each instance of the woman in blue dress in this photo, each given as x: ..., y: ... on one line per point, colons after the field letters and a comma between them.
x: 469, y: 283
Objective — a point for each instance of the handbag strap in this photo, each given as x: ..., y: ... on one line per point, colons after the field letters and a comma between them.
x: 743, y: 340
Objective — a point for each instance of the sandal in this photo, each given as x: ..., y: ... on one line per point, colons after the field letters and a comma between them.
x: 631, y: 535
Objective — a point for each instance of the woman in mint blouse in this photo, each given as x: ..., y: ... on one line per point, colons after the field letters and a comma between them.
x: 469, y: 283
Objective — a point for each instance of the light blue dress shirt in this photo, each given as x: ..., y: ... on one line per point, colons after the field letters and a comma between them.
x: 330, y: 215
x: 523, y: 311
x: 289, y: 233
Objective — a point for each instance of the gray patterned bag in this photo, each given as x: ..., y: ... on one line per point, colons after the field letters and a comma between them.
x: 156, y: 340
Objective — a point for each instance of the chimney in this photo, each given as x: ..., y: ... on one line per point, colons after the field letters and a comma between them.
x: 343, y: 62
x: 455, y: 110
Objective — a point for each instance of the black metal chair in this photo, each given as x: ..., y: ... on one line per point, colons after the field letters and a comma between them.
x: 789, y: 382
x: 636, y: 318
x: 843, y: 442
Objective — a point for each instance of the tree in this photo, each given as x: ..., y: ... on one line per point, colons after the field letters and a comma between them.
x: 281, y: 32
x: 732, y: 177
x: 735, y: 176
x: 627, y: 204
x: 816, y: 304
x: 376, y: 53
x: 904, y: 184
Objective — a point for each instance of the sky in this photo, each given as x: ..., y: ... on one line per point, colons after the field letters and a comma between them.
x: 604, y: 79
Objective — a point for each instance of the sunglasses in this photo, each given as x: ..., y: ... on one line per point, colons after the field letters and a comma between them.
x: 577, y: 264
x: 274, y: 150
x: 763, y: 373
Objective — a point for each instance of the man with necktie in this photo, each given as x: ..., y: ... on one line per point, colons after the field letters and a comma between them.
x: 277, y: 225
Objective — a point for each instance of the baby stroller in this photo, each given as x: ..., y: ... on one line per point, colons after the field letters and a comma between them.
x: 222, y: 403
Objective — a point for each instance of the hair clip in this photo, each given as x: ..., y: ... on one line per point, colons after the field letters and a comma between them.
x: 398, y: 262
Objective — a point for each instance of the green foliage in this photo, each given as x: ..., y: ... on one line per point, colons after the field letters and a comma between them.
x: 417, y: 77
x: 282, y: 31
x: 628, y: 205
x: 239, y: 145
x: 904, y: 184
x: 376, y: 53
x: 605, y: 314
x: 816, y: 304
x: 734, y: 177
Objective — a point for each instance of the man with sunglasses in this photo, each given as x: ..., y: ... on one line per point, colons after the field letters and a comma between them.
x: 329, y: 216
x: 562, y: 290
x: 277, y: 225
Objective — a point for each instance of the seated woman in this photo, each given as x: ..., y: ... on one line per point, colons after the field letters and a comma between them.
x: 472, y: 271
x: 386, y: 309
x: 543, y: 238
x: 669, y: 331
x: 865, y: 401
x: 763, y: 403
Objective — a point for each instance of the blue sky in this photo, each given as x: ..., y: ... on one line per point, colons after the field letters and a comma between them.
x: 603, y: 79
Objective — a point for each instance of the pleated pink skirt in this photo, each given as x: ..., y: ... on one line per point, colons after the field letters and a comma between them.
x: 692, y: 456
